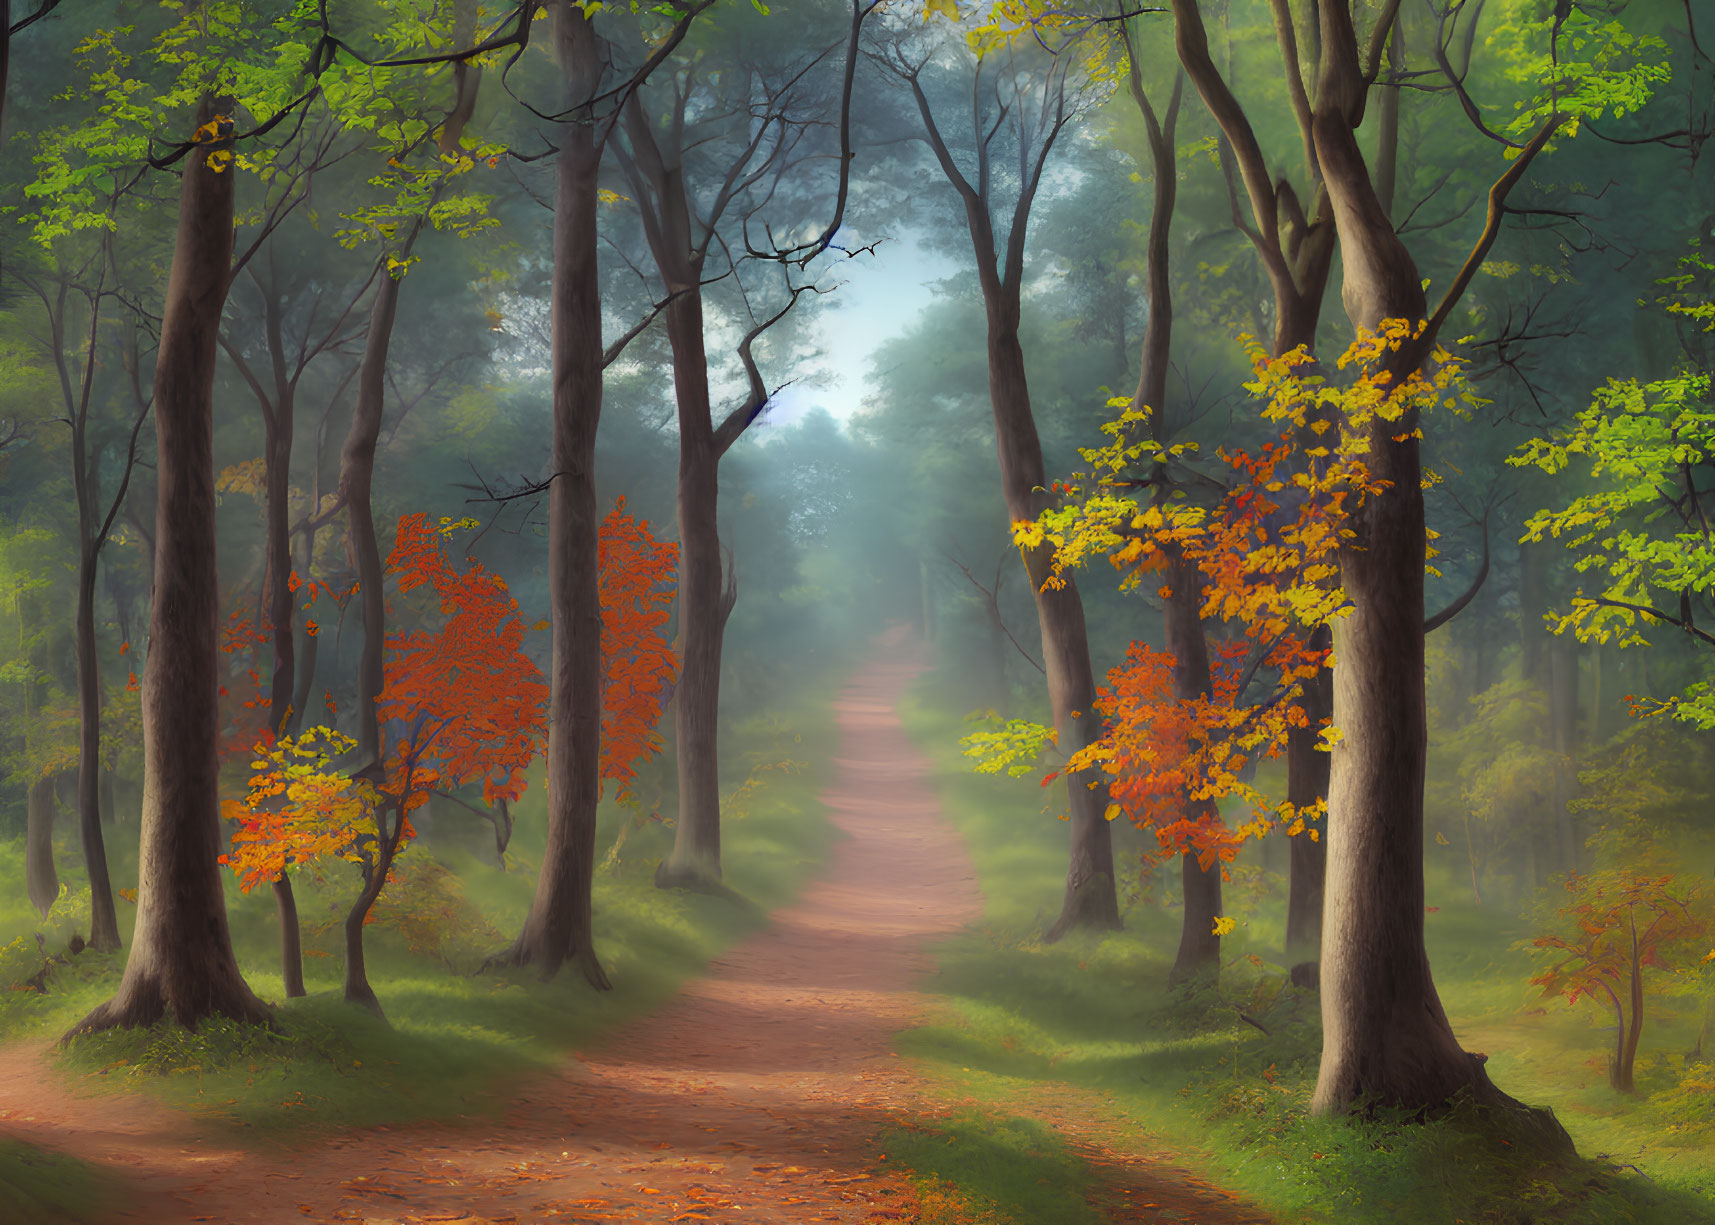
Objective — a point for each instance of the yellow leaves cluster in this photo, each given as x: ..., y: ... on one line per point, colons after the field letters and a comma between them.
x: 298, y: 808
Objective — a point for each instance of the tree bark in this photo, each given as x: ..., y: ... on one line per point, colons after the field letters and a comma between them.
x: 181, y: 962
x: 278, y: 421
x: 1306, y: 784
x: 356, y: 479
x: 1199, y: 947
x: 695, y: 861
x: 1627, y: 1051
x: 1090, y: 899
x: 559, y: 925
x: 103, y: 918
x: 1386, y: 1037
x: 41, y: 880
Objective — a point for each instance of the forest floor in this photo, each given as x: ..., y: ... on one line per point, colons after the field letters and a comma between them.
x: 762, y: 1094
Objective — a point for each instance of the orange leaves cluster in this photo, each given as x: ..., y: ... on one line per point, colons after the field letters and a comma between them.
x: 1266, y: 559
x: 464, y: 701
x: 638, y: 665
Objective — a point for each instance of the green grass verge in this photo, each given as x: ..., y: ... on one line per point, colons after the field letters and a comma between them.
x: 42, y: 1188
x: 456, y: 1042
x: 1094, y: 1011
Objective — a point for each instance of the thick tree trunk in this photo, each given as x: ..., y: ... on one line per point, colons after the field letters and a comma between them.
x: 559, y: 924
x: 41, y: 880
x: 695, y: 861
x: 181, y: 961
x: 1090, y: 899
x: 1386, y: 1037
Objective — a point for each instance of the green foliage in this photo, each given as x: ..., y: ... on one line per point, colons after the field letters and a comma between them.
x: 1182, y: 1071
x: 1642, y: 531
x: 1012, y: 745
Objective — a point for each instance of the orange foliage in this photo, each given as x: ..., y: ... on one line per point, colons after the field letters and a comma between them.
x: 463, y: 702
x: 638, y: 665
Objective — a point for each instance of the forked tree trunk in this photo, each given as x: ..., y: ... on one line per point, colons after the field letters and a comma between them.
x: 41, y: 880
x: 559, y: 925
x: 1621, y: 1073
x: 695, y: 861
x: 1296, y: 253
x: 181, y: 963
x: 1386, y: 1037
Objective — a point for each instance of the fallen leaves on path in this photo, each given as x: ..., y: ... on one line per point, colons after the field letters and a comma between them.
x: 754, y: 1098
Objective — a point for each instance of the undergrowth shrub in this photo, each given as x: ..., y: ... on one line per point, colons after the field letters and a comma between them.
x: 218, y: 1044
x: 427, y: 908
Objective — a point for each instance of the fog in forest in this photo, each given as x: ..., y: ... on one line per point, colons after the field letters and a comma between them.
x: 1025, y: 613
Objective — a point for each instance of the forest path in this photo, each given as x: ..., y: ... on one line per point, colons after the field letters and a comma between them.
x: 756, y: 1097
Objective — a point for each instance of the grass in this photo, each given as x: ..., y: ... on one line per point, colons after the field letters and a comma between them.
x: 1183, y: 1070
x: 456, y: 1042
x: 42, y: 1188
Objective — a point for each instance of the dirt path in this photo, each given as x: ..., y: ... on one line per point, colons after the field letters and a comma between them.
x: 755, y: 1098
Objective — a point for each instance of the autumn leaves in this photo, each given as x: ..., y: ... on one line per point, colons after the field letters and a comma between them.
x: 463, y: 703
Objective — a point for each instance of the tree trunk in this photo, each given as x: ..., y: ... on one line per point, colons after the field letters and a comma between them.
x: 277, y: 488
x: 103, y: 919
x: 1622, y: 1072
x: 1090, y: 899
x: 181, y: 961
x: 695, y: 861
x: 41, y: 879
x: 1307, y: 783
x: 356, y: 477
x: 357, y: 988
x: 1199, y: 947
x: 1386, y: 1037
x: 559, y: 924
